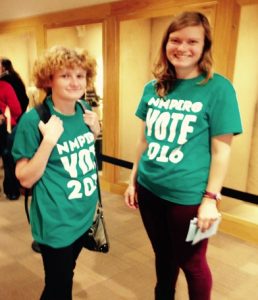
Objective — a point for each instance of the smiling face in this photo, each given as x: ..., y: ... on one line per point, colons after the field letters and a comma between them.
x: 184, y: 49
x: 68, y: 84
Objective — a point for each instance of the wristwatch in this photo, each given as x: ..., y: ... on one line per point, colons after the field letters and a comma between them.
x: 215, y: 196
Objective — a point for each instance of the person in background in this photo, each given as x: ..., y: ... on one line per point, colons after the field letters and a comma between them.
x: 10, y: 111
x: 3, y: 132
x: 8, y: 74
x: 189, y: 116
x: 60, y: 165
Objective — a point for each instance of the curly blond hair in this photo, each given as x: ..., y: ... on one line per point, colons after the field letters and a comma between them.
x: 59, y: 57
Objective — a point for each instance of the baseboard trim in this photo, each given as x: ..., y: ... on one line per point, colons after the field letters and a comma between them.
x: 240, y: 228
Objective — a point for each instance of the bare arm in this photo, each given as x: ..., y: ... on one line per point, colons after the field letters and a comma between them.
x: 2, y: 118
x: 29, y: 171
x: 220, y: 155
x: 130, y: 193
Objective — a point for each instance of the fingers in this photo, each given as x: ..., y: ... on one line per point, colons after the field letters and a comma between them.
x: 90, y: 117
x: 52, y: 130
x: 131, y: 202
x: 92, y: 120
x: 205, y: 224
x: 41, y: 125
x: 207, y: 214
x: 131, y: 198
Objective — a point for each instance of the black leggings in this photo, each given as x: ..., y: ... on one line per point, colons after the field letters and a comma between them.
x: 59, y: 265
x: 3, y: 138
x: 11, y: 184
x: 167, y: 225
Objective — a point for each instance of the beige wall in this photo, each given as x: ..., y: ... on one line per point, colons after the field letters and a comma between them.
x: 20, y: 48
x: 134, y: 55
x: 243, y: 172
x: 246, y: 82
x: 66, y: 36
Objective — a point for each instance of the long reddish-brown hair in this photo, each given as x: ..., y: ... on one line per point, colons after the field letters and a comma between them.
x: 164, y: 71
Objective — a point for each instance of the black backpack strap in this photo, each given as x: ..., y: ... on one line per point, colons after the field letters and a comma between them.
x: 27, y: 193
x: 82, y: 106
x: 43, y: 111
x: 44, y: 115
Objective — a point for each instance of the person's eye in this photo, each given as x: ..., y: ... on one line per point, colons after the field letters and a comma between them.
x: 174, y: 41
x: 81, y: 76
x: 65, y: 75
x: 193, y: 42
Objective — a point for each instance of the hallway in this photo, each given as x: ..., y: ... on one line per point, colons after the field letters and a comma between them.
x: 127, y: 272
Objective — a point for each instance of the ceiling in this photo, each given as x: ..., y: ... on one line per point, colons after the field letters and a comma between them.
x: 13, y: 9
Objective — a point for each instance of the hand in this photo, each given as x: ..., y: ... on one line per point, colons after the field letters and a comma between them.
x: 2, y: 119
x: 207, y: 213
x: 92, y: 120
x: 131, y: 197
x: 52, y: 130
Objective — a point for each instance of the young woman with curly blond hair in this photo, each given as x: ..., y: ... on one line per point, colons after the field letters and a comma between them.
x: 57, y: 159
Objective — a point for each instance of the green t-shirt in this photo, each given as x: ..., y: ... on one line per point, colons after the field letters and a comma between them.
x: 64, y: 198
x: 179, y: 128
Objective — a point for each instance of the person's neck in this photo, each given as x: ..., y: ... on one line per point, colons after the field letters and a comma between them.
x: 187, y: 74
x: 64, y: 107
x: 4, y: 74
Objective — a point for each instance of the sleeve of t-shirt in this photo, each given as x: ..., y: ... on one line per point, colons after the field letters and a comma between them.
x: 12, y: 101
x: 142, y: 108
x: 224, y: 111
x: 27, y: 136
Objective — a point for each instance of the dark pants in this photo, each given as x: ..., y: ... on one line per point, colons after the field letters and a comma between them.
x: 167, y: 225
x: 3, y: 138
x: 10, y: 183
x: 59, y: 265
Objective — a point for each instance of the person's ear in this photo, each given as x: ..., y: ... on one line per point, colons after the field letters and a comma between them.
x: 48, y: 83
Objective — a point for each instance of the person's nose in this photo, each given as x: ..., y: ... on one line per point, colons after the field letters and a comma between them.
x: 74, y: 81
x: 182, y: 46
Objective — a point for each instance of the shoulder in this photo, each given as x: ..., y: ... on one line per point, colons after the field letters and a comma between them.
x: 7, y: 78
x: 5, y: 85
x: 84, y: 104
x: 7, y: 90
x: 149, y: 88
x: 221, y: 80
x: 30, y: 118
x: 220, y: 85
x: 27, y: 127
x: 150, y: 84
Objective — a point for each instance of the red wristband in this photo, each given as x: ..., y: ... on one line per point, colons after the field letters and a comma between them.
x: 214, y: 196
